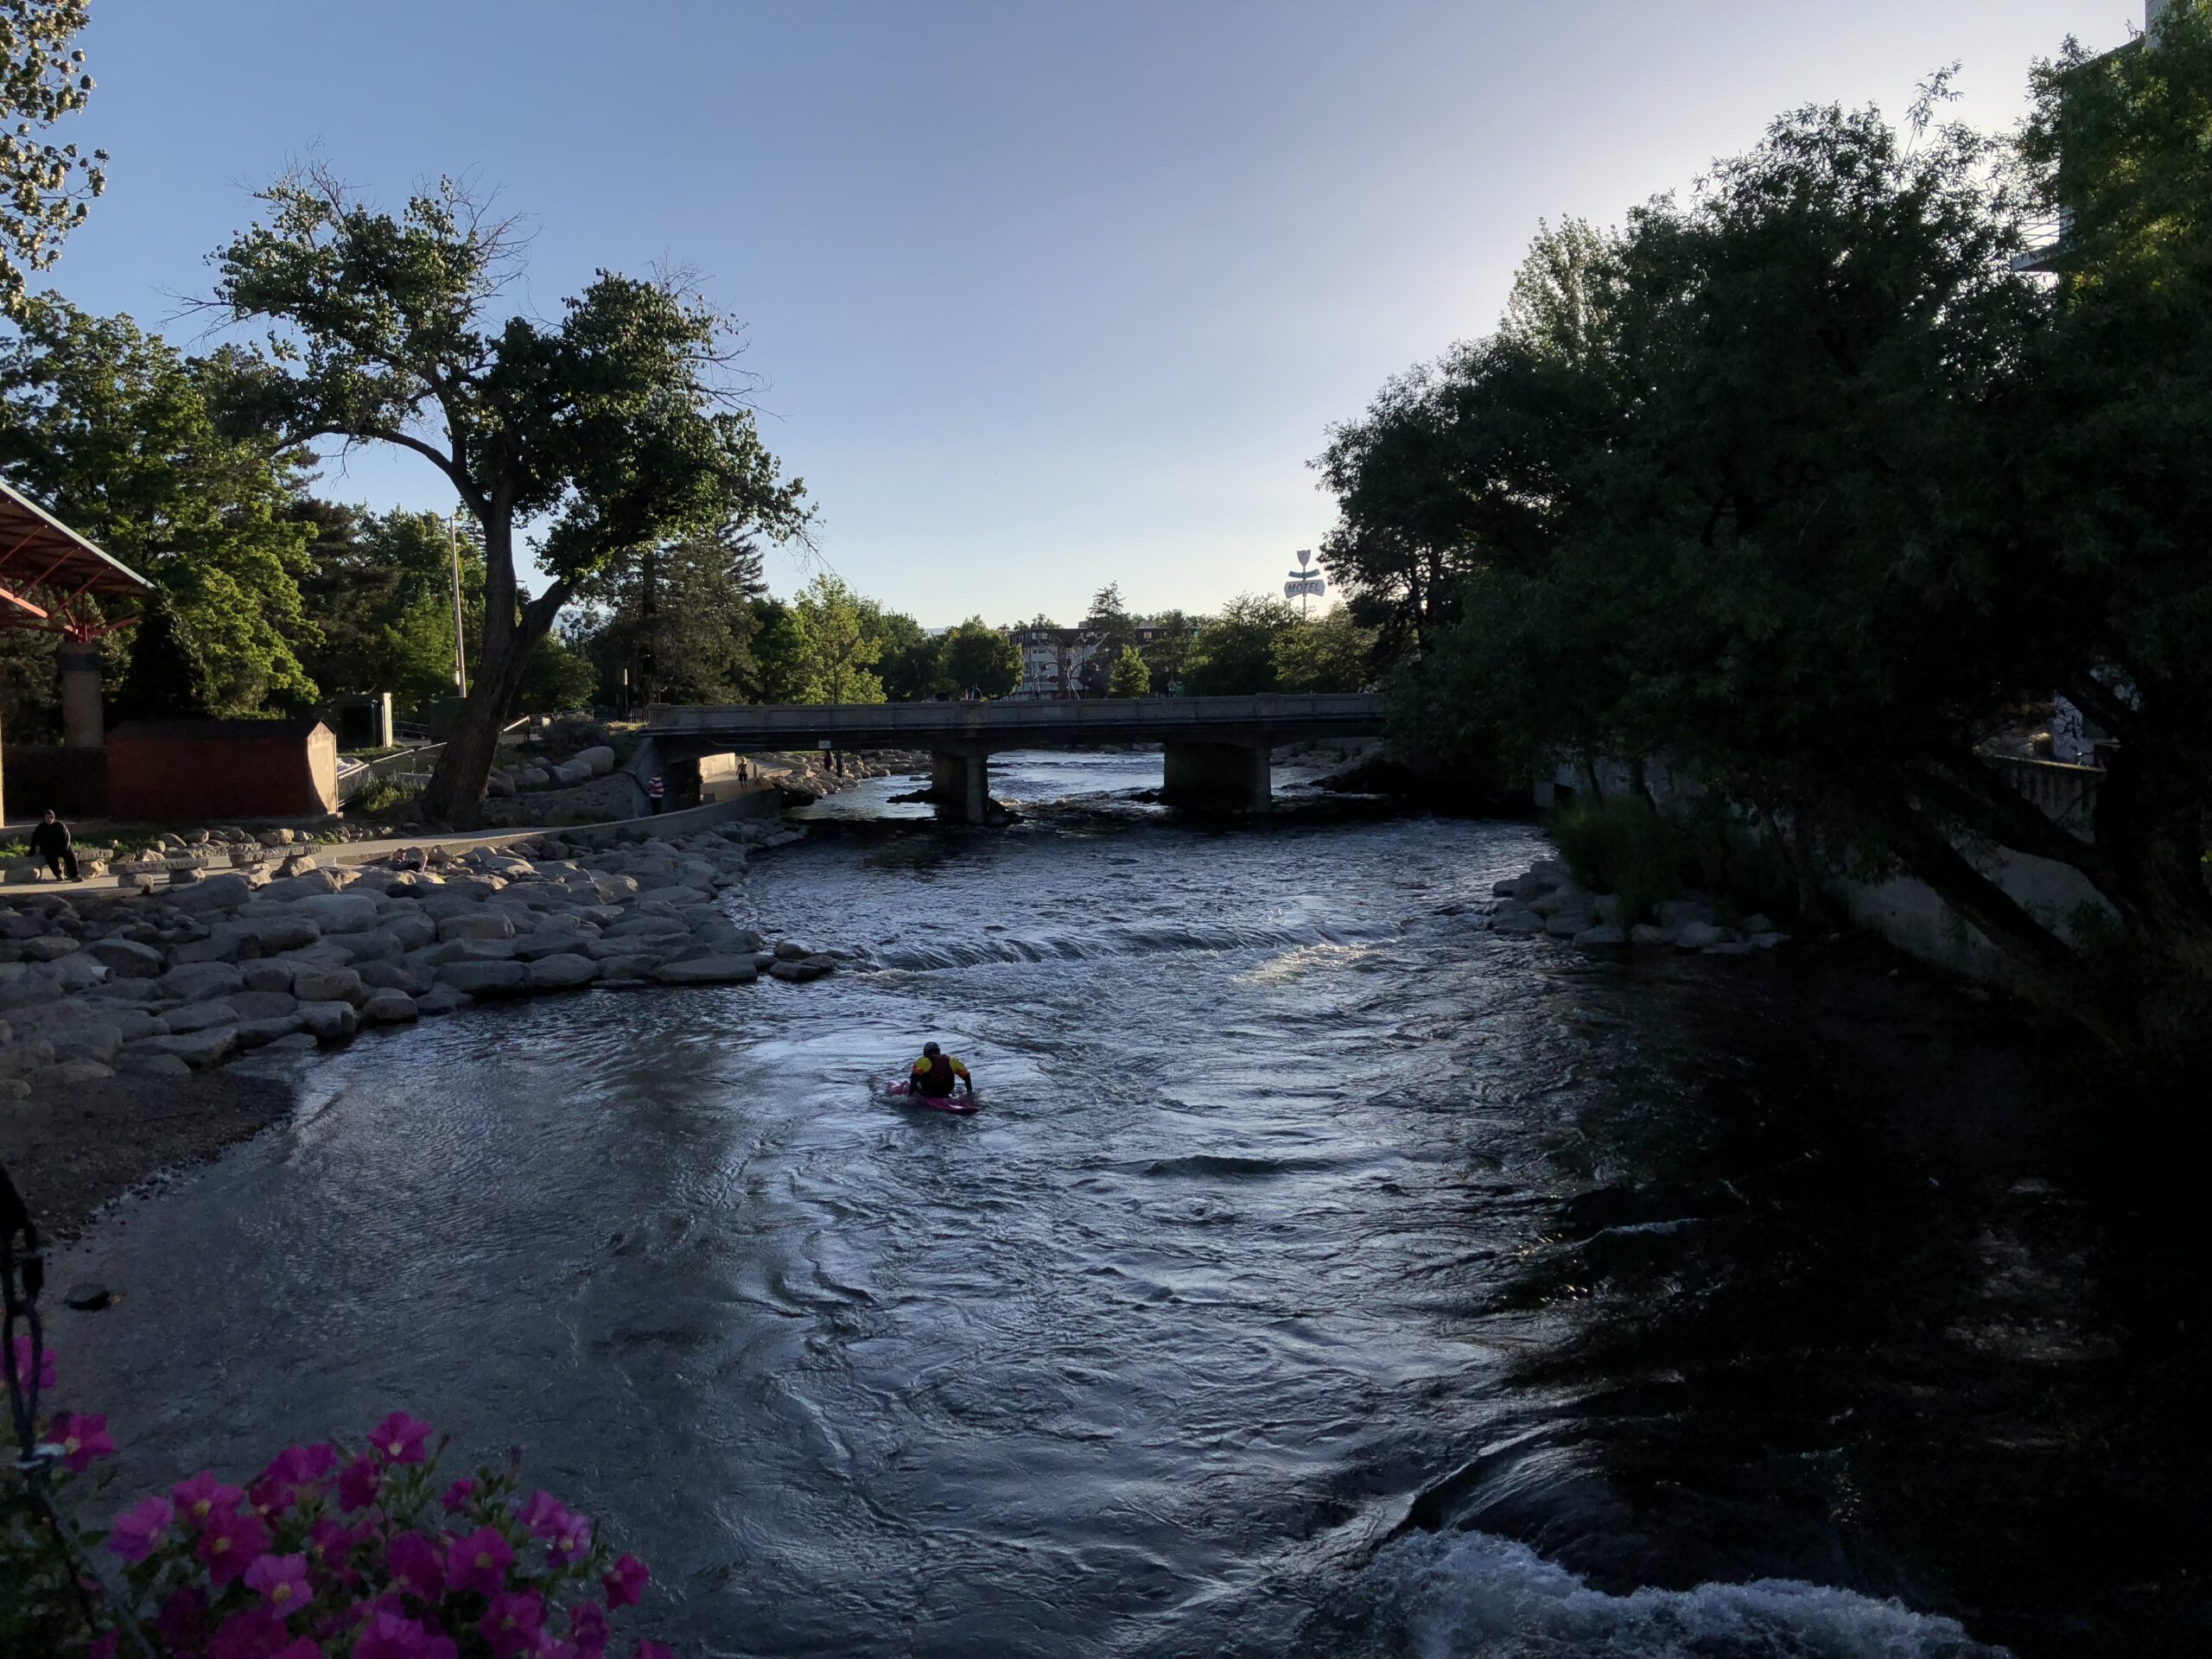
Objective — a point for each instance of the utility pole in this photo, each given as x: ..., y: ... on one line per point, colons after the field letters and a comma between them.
x: 459, y: 643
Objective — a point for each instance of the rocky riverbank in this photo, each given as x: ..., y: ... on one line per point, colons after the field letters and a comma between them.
x: 1547, y: 901
x: 119, y: 997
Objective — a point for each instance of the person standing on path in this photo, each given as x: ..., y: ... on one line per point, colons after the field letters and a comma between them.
x: 50, y: 841
x: 656, y: 791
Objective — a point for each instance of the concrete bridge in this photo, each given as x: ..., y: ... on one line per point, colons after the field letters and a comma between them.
x: 1216, y: 747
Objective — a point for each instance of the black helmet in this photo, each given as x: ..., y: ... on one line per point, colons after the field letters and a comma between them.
x: 929, y: 1050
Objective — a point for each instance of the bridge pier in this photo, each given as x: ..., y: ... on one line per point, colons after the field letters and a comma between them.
x: 960, y: 783
x: 1216, y: 776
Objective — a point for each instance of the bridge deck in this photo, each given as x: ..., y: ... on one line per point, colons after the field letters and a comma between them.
x: 982, y: 728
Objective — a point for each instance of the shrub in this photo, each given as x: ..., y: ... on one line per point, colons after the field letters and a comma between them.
x: 1622, y: 846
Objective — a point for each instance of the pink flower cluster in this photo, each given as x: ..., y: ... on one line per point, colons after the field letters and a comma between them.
x: 333, y: 1554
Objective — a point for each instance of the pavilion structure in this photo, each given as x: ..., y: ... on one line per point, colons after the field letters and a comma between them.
x: 53, y: 579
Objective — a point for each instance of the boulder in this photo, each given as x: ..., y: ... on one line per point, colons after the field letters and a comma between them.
x: 329, y: 1022
x: 259, y: 1034
x: 468, y: 951
x: 263, y: 1005
x: 212, y: 892
x: 276, y: 976
x: 1608, y: 907
x: 1679, y: 913
x: 708, y: 970
x: 50, y: 947
x: 327, y: 985
x: 795, y: 950
x: 486, y: 979
x: 442, y: 999
x: 274, y: 837
x: 561, y: 973
x: 378, y: 944
x: 74, y: 972
x: 126, y: 958
x: 1649, y: 933
x: 1516, y: 919
x: 152, y: 1065
x: 1566, y: 924
x: 1701, y: 936
x: 481, y: 924
x: 1603, y: 937
x: 93, y: 1040
x: 388, y: 1007
x: 1769, y: 938
x: 799, y: 969
x: 1757, y: 923
x: 221, y: 945
x: 397, y: 976
x: 598, y: 761
x: 200, y: 1016
x: 197, y: 1049
x: 271, y: 934
x: 69, y: 1074
x: 123, y: 990
x: 408, y: 924
x: 340, y: 912
x: 1558, y: 898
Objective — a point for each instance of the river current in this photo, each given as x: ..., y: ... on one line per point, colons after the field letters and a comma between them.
x: 1324, y: 1275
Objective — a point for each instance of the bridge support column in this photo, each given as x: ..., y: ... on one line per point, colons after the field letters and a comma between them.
x: 961, y: 784
x: 1217, y: 777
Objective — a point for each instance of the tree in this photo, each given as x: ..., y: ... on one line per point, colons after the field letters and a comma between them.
x: 978, y: 657
x: 1234, y: 652
x: 906, y: 654
x: 780, y: 653
x: 1166, y: 657
x: 44, y: 187
x: 616, y: 428
x: 834, y: 651
x: 379, y: 592
x: 112, y: 429
x: 1331, y: 653
x: 678, y: 618
x: 1130, y: 677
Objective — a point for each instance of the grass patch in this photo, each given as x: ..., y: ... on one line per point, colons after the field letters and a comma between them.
x: 1624, y: 847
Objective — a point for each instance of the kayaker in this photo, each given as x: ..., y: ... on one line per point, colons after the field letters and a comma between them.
x: 936, y: 1074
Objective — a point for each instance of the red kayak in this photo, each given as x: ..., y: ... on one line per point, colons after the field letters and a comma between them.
x: 958, y: 1105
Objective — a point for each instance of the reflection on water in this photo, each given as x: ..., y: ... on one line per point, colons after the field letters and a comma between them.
x: 1325, y: 1275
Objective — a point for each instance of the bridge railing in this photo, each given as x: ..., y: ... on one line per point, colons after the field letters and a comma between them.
x: 1164, y: 716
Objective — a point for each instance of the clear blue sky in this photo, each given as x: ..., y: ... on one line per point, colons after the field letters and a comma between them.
x: 1044, y: 294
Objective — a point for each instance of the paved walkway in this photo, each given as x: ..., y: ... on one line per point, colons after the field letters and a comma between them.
x: 753, y: 801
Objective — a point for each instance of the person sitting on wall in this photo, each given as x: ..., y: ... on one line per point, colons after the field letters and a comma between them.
x: 50, y: 841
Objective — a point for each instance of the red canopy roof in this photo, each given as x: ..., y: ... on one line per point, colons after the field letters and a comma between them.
x: 47, y: 570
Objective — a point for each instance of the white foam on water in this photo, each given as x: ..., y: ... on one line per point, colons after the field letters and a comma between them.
x: 1467, y: 1595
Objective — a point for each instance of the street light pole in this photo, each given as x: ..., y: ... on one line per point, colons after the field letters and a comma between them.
x: 460, y: 645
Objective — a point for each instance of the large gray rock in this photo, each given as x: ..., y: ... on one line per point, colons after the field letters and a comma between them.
x: 397, y: 976
x: 486, y: 979
x: 1678, y: 913
x: 795, y: 950
x: 152, y: 1065
x: 123, y: 990
x: 1516, y: 919
x: 201, y: 981
x: 93, y: 1040
x: 598, y: 761
x: 126, y: 958
x: 799, y: 970
x: 388, y: 1007
x: 259, y: 1034
x: 442, y: 999
x: 1566, y: 924
x: 329, y: 1022
x: 69, y: 1074
x: 710, y: 971
x: 647, y: 927
x: 197, y: 1049
x: 561, y: 973
x: 1649, y: 933
x: 1603, y: 937
x: 263, y: 1005
x: 327, y: 985
x: 200, y: 1016
x: 378, y: 944
x: 215, y: 893
x: 555, y: 942
x: 340, y: 912
x: 76, y: 971
x: 221, y: 945
x: 482, y: 925
x: 271, y: 934
x: 1702, y: 935
x: 468, y: 951
x: 411, y: 927
x: 275, y: 975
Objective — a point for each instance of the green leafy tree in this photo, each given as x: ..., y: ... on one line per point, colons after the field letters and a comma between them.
x: 1234, y: 654
x: 1331, y: 652
x: 680, y: 619
x: 976, y: 656
x: 380, y: 594
x: 779, y: 654
x: 618, y: 427
x: 44, y: 187
x: 1168, y: 655
x: 1130, y: 677
x: 906, y: 654
x: 836, y: 652
x: 1109, y: 623
x: 113, y: 431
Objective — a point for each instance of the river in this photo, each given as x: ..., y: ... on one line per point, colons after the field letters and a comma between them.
x: 1324, y: 1275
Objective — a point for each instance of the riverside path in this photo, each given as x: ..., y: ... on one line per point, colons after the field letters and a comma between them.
x: 1215, y: 748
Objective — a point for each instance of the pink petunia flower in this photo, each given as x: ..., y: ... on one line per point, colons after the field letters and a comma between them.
x: 229, y: 1543
x: 184, y: 1620
x: 572, y: 1540
x: 416, y: 1565
x: 626, y: 1582
x: 392, y: 1636
x: 457, y: 1496
x: 82, y: 1439
x: 48, y: 1376
x: 203, y: 1496
x: 291, y: 1473
x: 510, y: 1623
x: 480, y: 1562
x: 283, y: 1579
x: 543, y: 1513
x: 401, y: 1439
x: 589, y: 1629
x: 357, y: 1483
x: 139, y: 1527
